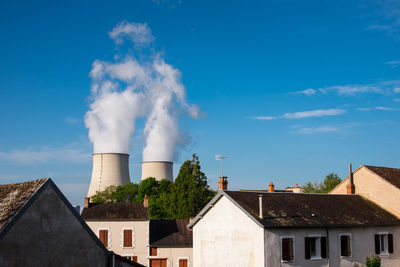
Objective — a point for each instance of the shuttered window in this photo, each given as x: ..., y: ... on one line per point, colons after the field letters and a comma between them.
x: 134, y: 258
x: 345, y: 246
x: 383, y: 243
x: 287, y: 249
x: 103, y: 236
x: 127, y: 238
x: 183, y: 263
x: 153, y: 251
x: 315, y: 247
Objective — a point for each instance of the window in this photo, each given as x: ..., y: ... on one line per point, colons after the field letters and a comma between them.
x: 287, y: 249
x: 383, y: 243
x: 132, y: 258
x: 103, y: 236
x: 183, y: 263
x: 153, y: 251
x: 315, y: 247
x: 345, y: 245
x: 127, y: 238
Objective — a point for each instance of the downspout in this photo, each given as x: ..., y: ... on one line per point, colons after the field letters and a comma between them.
x: 327, y: 246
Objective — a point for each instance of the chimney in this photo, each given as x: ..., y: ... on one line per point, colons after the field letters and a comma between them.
x: 350, y: 186
x: 271, y: 187
x: 87, y: 202
x: 223, y: 183
x: 260, y: 207
x: 145, y: 201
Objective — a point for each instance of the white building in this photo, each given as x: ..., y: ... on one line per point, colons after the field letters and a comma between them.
x: 288, y: 229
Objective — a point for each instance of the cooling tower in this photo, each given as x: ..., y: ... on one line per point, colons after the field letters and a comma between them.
x: 109, y: 169
x: 157, y: 169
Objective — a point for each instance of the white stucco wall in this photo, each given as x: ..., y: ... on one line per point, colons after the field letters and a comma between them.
x: 225, y: 236
x: 115, y: 237
x: 371, y: 186
x: 173, y: 255
x: 362, y: 243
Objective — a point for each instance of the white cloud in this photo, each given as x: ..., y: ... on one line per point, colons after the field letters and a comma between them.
x: 375, y: 108
x: 264, y: 118
x: 351, y: 89
x: 393, y: 63
x: 396, y: 100
x: 32, y: 155
x: 138, y: 33
x: 72, y: 120
x: 396, y: 90
x: 317, y: 130
x: 309, y: 91
x: 314, y: 113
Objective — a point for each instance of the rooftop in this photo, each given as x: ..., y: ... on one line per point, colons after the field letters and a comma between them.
x: 170, y: 233
x: 116, y: 212
x: 14, y: 196
x: 391, y: 175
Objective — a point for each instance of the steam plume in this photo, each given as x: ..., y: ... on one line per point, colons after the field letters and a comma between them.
x: 129, y: 88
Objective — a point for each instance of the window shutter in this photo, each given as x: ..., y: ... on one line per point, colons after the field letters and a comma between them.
x: 103, y: 236
x: 127, y: 238
x: 343, y: 246
x: 285, y: 249
x: 307, y: 248
x: 183, y: 263
x: 291, y: 249
x: 377, y: 245
x: 390, y: 241
x: 134, y: 258
x: 323, y: 247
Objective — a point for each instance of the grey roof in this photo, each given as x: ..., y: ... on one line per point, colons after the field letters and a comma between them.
x: 116, y: 212
x: 170, y: 233
x: 14, y: 196
x: 286, y: 210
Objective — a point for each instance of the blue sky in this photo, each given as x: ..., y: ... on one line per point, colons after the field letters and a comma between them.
x: 289, y: 90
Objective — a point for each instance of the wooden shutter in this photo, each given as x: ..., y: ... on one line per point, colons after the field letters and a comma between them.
x: 377, y: 245
x: 103, y: 236
x: 307, y: 247
x: 390, y: 241
x: 134, y: 258
x: 127, y: 238
x: 323, y: 247
x: 286, y: 249
x: 153, y: 251
x: 183, y: 263
x: 344, y: 250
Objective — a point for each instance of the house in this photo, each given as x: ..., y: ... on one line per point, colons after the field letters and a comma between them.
x: 121, y: 227
x: 171, y: 243
x: 379, y: 184
x: 239, y: 228
x: 39, y: 227
x: 126, y: 229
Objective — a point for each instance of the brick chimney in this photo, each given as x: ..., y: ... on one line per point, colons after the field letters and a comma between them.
x: 86, y: 202
x: 351, y: 189
x: 145, y: 201
x: 271, y: 187
x: 223, y: 183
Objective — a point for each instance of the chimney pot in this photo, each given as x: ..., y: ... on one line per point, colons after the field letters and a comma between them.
x: 87, y: 202
x: 271, y: 187
x: 223, y: 183
x: 260, y: 207
x: 145, y: 201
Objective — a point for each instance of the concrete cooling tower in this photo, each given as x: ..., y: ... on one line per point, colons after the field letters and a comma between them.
x: 157, y: 169
x: 109, y: 169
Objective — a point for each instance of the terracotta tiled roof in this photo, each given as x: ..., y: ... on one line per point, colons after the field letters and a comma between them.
x: 14, y: 196
x: 170, y: 233
x: 389, y: 174
x: 116, y: 212
x: 313, y: 210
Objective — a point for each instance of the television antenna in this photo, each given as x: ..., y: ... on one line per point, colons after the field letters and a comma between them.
x: 221, y: 158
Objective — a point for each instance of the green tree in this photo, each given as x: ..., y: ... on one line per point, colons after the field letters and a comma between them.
x: 330, y: 181
x: 374, y: 261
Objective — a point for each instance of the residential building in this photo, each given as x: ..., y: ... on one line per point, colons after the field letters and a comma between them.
x: 171, y: 243
x: 239, y: 228
x: 379, y: 184
x: 39, y: 227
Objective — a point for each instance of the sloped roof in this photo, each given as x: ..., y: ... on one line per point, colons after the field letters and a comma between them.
x: 313, y: 210
x: 170, y: 233
x: 14, y: 196
x: 116, y: 212
x: 391, y: 175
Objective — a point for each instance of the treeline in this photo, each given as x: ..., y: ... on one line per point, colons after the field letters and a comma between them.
x: 181, y: 199
x: 330, y: 182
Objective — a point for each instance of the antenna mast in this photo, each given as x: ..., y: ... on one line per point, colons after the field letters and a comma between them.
x: 221, y: 158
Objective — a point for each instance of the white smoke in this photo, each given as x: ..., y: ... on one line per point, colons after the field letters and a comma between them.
x: 127, y: 89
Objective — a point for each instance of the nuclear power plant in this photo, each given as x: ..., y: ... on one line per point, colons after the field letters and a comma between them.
x: 108, y: 169
x: 157, y: 169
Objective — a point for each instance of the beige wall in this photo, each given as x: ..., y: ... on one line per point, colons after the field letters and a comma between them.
x: 115, y: 237
x: 174, y: 254
x: 373, y: 187
x: 225, y: 236
x: 362, y: 244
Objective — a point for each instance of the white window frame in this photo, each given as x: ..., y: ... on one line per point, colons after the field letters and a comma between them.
x: 108, y: 237
x: 351, y: 245
x: 386, y: 242
x: 133, y: 237
x: 182, y: 258
x: 317, y: 246
x: 294, y: 248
